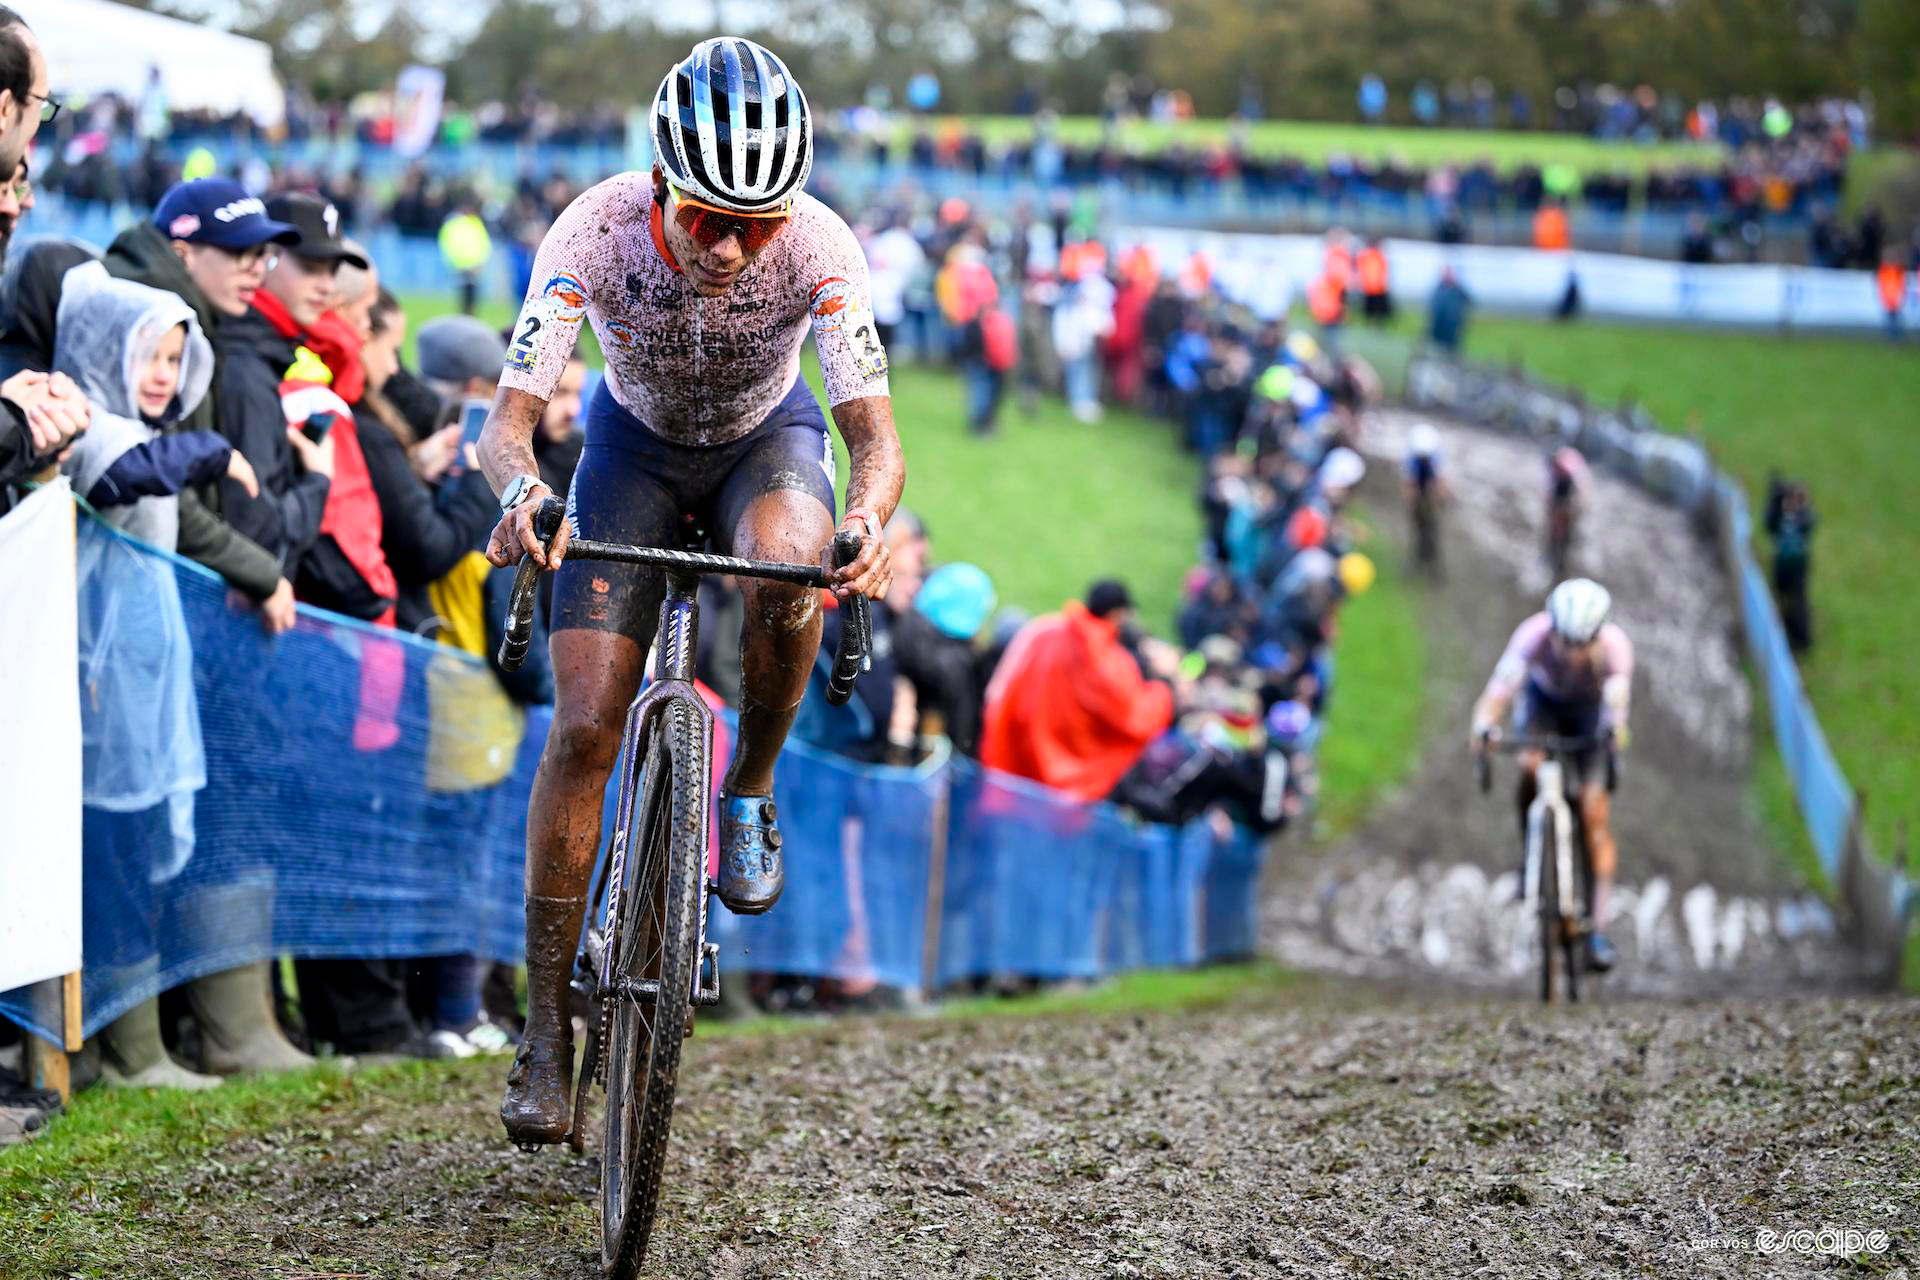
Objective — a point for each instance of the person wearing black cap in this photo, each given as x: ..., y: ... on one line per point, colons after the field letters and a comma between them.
x: 262, y: 346
x: 208, y: 242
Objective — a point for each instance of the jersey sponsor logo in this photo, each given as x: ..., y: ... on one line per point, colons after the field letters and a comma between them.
x: 622, y: 334
x: 566, y: 290
x: 829, y: 302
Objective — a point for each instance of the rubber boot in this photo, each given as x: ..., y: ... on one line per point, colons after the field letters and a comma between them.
x: 537, y: 1107
x: 238, y: 1032
x: 132, y: 1055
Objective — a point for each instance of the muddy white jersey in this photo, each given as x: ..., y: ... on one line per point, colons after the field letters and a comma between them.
x: 697, y: 371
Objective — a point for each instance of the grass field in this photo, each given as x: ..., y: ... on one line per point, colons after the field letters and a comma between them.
x: 1314, y: 142
x: 1839, y: 414
x: 1374, y: 716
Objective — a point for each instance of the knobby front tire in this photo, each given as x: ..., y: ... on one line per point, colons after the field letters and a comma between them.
x: 657, y: 940
x: 1548, y: 900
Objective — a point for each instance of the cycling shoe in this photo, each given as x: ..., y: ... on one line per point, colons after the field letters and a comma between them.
x: 1600, y: 953
x: 752, y: 873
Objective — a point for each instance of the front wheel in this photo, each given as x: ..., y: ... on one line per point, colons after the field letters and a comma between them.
x: 1546, y: 897
x: 656, y: 945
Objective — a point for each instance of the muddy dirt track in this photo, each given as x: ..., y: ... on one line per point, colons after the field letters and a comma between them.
x: 1436, y: 1124
x: 1318, y: 1131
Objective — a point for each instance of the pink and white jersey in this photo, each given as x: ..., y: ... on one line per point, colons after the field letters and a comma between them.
x: 1531, y: 656
x: 697, y: 371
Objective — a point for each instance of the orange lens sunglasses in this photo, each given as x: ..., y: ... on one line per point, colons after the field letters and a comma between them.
x: 709, y: 224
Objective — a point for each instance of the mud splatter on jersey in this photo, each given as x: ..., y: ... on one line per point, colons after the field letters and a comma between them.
x: 700, y: 371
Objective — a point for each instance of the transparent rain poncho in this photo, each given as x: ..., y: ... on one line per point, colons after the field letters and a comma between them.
x: 140, y: 720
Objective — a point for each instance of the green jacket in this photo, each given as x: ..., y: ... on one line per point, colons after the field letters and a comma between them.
x: 142, y: 254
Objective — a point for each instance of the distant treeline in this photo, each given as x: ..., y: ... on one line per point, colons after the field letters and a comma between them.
x: 1298, y: 59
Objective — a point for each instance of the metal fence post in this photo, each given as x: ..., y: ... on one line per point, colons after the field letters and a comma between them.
x: 936, y: 886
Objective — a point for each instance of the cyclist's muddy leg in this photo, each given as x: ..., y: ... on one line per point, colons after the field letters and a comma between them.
x: 780, y: 633
x: 595, y: 675
x: 603, y: 619
x: 1596, y: 809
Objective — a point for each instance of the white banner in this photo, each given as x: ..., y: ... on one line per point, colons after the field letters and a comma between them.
x: 39, y: 741
x: 418, y: 97
x: 1267, y: 272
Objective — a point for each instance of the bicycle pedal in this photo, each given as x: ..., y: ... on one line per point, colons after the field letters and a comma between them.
x: 706, y: 976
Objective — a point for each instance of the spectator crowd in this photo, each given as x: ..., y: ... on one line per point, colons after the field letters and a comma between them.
x: 226, y: 382
x: 1779, y: 183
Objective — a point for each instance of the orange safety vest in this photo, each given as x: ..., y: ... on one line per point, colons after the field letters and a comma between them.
x: 1326, y: 300
x: 1550, y: 229
x: 1893, y: 286
x: 1373, y: 272
x: 1339, y: 266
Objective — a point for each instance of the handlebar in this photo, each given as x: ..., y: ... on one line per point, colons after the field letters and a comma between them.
x: 856, y: 629
x: 853, y: 656
x: 1551, y: 745
x: 513, y: 646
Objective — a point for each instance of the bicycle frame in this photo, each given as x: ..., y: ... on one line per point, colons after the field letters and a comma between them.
x: 676, y: 641
x: 1550, y: 817
x: 1550, y: 805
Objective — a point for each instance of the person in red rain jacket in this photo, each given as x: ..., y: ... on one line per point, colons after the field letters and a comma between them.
x: 1069, y: 705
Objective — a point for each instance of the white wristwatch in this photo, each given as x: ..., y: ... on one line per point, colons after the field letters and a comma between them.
x: 517, y: 489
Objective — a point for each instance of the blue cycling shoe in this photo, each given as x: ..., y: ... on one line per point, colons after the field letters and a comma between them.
x: 751, y: 871
x: 1600, y: 953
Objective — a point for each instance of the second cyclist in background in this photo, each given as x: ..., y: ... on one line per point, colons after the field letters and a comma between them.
x: 1571, y: 670
x: 1567, y: 482
x: 1426, y: 492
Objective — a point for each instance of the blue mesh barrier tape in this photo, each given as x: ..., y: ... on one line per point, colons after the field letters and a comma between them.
x: 345, y: 790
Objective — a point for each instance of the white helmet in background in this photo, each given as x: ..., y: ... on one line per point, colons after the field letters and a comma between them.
x: 1342, y: 468
x: 1578, y: 608
x: 1422, y: 440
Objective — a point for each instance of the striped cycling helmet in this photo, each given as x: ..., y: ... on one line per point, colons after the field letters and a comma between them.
x: 1578, y: 608
x: 730, y: 127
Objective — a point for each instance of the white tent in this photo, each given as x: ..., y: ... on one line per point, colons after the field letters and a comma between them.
x: 93, y: 46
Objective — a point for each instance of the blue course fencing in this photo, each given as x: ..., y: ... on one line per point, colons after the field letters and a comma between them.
x: 1827, y: 802
x: 347, y: 791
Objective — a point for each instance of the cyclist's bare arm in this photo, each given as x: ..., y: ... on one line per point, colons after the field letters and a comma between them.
x: 877, y: 475
x: 1495, y: 700
x: 506, y: 450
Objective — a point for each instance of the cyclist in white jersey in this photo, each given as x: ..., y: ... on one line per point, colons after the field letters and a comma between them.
x: 702, y: 280
x: 1568, y: 672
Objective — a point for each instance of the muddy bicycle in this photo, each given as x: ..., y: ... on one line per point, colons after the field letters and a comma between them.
x: 645, y: 964
x: 1555, y: 878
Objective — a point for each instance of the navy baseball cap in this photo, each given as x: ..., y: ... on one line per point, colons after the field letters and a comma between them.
x: 218, y: 211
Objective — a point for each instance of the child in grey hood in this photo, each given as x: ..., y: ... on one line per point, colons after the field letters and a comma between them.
x: 139, y: 356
